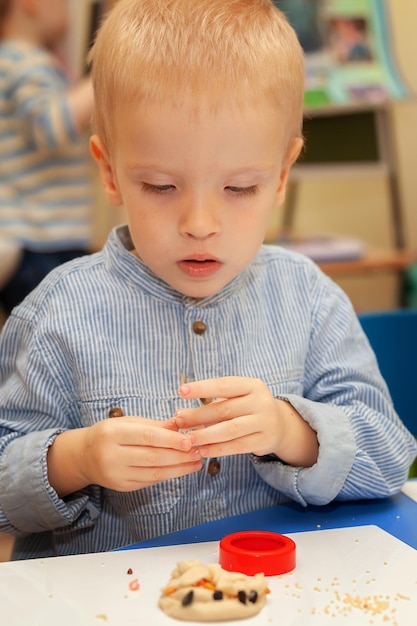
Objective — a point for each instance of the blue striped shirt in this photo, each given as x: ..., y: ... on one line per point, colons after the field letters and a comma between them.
x: 45, y: 167
x: 103, y: 331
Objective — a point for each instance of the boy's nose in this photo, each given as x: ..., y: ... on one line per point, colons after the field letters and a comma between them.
x: 200, y: 221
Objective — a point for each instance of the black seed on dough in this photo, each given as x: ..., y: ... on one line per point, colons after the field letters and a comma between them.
x: 188, y: 598
x: 241, y: 595
x: 218, y: 595
x: 253, y: 596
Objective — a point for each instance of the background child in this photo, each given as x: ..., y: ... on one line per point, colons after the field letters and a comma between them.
x: 198, y: 119
x: 45, y: 167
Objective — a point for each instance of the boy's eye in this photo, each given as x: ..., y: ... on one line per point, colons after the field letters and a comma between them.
x: 242, y: 191
x: 157, y: 188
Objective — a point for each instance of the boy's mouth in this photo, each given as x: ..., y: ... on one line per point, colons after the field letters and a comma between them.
x: 199, y: 266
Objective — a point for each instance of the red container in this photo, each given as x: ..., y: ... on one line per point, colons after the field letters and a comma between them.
x: 252, y: 552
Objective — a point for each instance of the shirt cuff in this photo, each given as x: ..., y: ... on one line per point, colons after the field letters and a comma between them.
x: 321, y: 483
x: 27, y: 499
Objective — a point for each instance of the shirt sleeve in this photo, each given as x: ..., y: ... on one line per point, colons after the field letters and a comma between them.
x: 27, y: 501
x: 364, y: 449
x: 40, y: 95
x: 29, y: 389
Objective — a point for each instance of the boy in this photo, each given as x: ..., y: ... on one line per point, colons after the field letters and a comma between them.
x: 197, y: 122
x: 45, y: 166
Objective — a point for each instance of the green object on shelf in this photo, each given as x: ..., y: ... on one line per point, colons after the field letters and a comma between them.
x: 316, y: 98
x: 410, y: 287
x: 413, y: 470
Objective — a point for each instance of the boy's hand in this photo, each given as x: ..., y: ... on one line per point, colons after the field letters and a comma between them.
x: 246, y: 418
x: 123, y: 453
x: 129, y: 453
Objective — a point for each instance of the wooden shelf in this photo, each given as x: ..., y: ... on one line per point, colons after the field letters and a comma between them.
x: 374, y: 261
x: 346, y: 109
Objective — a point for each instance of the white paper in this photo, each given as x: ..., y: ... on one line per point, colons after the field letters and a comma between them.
x: 357, y: 576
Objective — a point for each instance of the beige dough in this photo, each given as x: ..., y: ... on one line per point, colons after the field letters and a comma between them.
x: 189, y: 594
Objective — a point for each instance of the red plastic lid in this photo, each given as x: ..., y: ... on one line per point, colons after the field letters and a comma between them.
x: 254, y: 551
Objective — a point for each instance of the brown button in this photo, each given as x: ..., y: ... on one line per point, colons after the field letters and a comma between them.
x: 213, y: 467
x: 116, y: 412
x: 199, y: 328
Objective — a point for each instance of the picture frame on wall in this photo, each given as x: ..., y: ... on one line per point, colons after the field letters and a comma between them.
x: 348, y: 49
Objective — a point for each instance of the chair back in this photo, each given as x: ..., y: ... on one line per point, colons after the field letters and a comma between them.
x: 393, y: 337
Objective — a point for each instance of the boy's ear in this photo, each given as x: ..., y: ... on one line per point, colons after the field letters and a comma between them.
x: 107, y: 174
x: 291, y: 157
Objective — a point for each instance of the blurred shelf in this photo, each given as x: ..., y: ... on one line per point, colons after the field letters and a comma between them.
x: 372, y: 262
x: 353, y: 142
x: 346, y: 109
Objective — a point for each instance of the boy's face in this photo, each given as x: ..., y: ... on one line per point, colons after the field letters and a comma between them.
x: 198, y: 188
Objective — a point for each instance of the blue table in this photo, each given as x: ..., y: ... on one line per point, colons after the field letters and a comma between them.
x: 396, y: 515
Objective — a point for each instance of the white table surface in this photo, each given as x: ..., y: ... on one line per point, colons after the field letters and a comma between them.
x: 360, y: 575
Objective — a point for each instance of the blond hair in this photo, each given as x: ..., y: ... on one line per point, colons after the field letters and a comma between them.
x: 227, y: 51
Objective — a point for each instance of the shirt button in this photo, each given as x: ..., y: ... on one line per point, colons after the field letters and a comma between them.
x: 213, y: 467
x: 116, y: 412
x: 199, y: 327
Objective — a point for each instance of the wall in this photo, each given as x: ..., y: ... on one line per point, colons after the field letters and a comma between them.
x: 404, y: 24
x: 104, y: 216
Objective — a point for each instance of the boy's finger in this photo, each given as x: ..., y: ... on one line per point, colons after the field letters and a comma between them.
x: 225, y: 387
x: 146, y: 434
